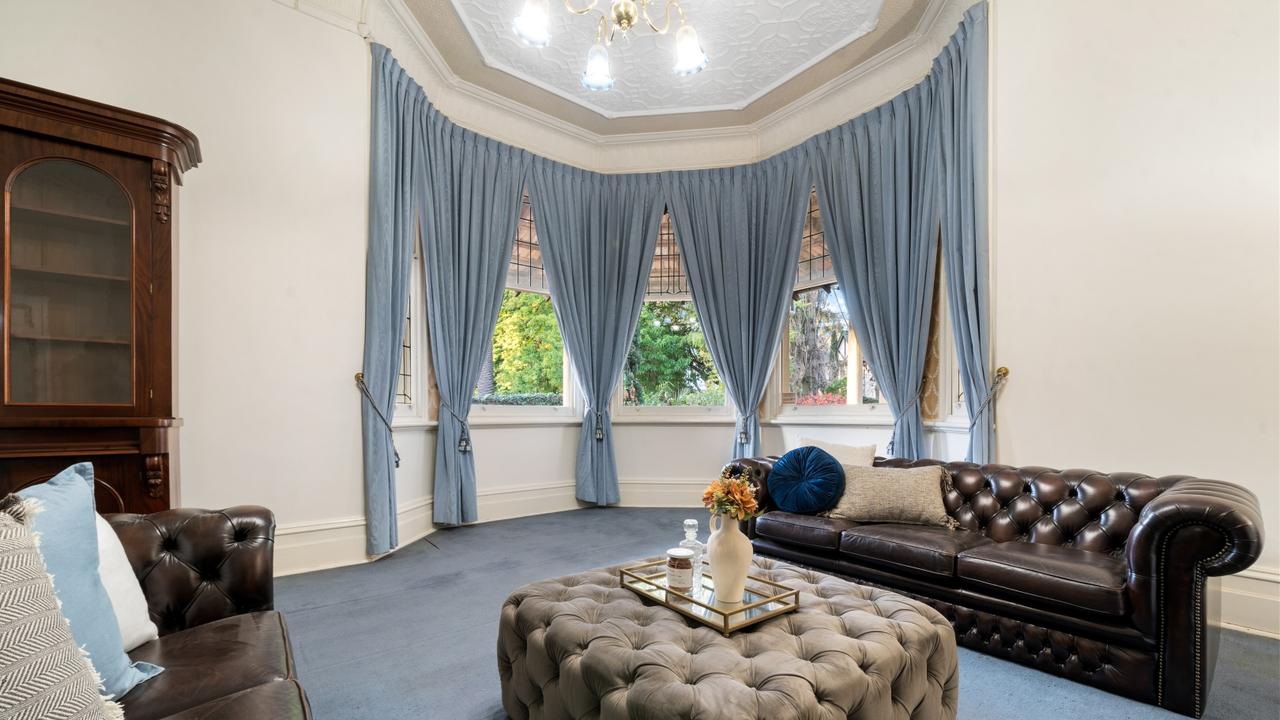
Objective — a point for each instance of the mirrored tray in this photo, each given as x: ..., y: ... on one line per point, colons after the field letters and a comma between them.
x: 762, y: 600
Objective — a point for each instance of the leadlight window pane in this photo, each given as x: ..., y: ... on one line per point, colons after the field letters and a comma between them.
x: 667, y: 279
x: 814, y: 267
x: 404, y: 386
x: 525, y: 272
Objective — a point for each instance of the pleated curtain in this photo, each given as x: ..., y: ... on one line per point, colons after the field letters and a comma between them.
x: 889, y: 182
x: 877, y: 184
x: 960, y: 72
x: 597, y: 234
x: 396, y: 142
x: 738, y: 230
x: 470, y: 199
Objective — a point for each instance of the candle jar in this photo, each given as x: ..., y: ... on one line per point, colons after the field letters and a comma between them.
x: 680, y: 569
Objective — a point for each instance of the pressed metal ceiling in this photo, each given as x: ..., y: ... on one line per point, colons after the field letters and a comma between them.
x: 753, y: 46
x: 764, y: 55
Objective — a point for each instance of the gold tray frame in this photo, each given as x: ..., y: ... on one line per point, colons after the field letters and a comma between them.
x: 722, y: 613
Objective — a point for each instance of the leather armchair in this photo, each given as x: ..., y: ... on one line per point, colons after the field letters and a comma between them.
x: 1102, y: 578
x: 207, y: 577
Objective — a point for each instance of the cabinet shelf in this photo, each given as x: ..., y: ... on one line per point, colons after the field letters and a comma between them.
x: 70, y: 339
x: 70, y: 274
x: 71, y: 215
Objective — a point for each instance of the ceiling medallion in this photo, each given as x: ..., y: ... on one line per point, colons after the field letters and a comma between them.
x: 532, y: 27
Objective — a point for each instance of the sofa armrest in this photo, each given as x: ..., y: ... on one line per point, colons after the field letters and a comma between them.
x: 196, y: 566
x: 757, y: 471
x: 1195, y: 529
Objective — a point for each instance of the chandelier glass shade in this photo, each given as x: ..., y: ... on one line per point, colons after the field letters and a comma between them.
x: 533, y: 27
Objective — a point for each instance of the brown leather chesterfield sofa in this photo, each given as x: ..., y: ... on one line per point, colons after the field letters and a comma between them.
x: 1106, y: 579
x: 207, y: 576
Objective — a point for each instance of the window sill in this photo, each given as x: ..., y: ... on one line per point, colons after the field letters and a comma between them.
x: 675, y: 419
x: 547, y: 420
x: 411, y: 423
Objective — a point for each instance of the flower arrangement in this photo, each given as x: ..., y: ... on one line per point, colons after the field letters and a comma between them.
x: 732, y: 494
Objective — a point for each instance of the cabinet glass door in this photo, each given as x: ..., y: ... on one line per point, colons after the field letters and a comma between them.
x: 69, y: 287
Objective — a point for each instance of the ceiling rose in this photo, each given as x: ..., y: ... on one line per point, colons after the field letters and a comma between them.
x: 532, y: 26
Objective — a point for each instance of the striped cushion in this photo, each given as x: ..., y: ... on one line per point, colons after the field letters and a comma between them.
x: 43, y: 675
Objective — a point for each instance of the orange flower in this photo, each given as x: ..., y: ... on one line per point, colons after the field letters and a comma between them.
x: 731, y: 495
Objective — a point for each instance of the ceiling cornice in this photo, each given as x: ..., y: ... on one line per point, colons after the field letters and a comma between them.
x: 868, y: 84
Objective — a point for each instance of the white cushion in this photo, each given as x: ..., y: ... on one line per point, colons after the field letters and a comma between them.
x: 122, y: 586
x: 863, y: 456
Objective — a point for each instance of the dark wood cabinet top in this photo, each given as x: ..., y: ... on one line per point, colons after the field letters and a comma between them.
x: 46, y: 112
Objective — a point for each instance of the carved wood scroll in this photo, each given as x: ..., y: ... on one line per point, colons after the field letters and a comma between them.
x: 160, y: 189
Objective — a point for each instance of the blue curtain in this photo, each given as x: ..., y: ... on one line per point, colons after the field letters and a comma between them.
x: 392, y: 228
x: 877, y: 184
x: 470, y: 202
x: 961, y: 73
x: 739, y: 235
x: 597, y: 234
x: 889, y: 182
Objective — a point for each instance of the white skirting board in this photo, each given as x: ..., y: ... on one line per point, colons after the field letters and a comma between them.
x: 307, y: 546
x: 1250, y: 600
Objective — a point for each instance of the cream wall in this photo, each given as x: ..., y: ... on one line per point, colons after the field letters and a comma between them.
x: 271, y: 226
x: 1135, y: 244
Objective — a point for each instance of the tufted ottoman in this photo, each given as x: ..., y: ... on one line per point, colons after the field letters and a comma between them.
x: 583, y: 647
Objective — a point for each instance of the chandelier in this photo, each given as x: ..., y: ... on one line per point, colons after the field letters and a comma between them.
x: 531, y: 26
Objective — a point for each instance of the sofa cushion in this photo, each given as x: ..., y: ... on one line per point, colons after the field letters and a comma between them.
x: 42, y: 672
x: 68, y: 530
x: 1040, y: 575
x: 822, y: 533
x: 913, y: 549
x: 210, y: 661
x: 281, y: 700
x: 806, y: 480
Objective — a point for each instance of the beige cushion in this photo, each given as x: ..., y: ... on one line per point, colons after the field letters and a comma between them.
x: 901, y: 495
x: 862, y: 456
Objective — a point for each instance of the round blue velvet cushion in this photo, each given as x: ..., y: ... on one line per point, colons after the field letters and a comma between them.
x: 806, y: 480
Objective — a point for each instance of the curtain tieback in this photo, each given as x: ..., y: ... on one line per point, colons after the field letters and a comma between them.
x: 364, y: 389
x: 1002, y: 375
x: 464, y: 442
x: 902, y: 414
x: 599, y: 426
x: 744, y: 434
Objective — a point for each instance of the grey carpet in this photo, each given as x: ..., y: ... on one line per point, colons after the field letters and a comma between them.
x: 414, y: 635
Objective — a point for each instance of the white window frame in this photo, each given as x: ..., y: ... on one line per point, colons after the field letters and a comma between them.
x: 788, y: 413
x: 421, y: 391
x: 669, y: 414
x: 570, y: 413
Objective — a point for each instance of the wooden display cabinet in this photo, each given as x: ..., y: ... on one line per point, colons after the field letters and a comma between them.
x: 86, y: 293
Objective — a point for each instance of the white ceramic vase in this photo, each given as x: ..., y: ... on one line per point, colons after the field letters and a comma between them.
x: 728, y: 558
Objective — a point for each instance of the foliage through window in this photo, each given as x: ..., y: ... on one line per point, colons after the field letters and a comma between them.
x: 669, y: 364
x: 822, y: 354
x: 525, y: 365
x: 823, y: 364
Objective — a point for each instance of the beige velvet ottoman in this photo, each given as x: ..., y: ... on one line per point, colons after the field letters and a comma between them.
x: 581, y: 647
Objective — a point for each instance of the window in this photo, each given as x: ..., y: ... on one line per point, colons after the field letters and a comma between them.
x: 413, y: 387
x: 526, y: 362
x: 824, y: 366
x: 404, y: 386
x: 821, y: 364
x: 669, y: 364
